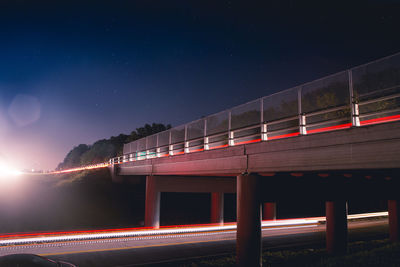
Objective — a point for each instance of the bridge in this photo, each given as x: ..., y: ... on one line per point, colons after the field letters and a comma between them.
x: 332, y: 139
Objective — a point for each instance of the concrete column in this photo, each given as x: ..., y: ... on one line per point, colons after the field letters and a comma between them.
x: 269, y: 211
x: 217, y: 208
x: 248, y: 236
x: 394, y: 222
x: 152, y: 205
x: 336, y: 226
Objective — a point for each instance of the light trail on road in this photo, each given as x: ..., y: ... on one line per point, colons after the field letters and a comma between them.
x: 169, y: 248
x: 35, y: 238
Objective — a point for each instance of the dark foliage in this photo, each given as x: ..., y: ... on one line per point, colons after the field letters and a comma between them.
x: 104, y: 149
x: 73, y: 157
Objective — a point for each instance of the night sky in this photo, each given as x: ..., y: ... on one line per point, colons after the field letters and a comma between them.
x: 73, y: 73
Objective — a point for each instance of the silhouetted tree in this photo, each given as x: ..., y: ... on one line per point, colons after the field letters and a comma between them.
x: 73, y: 157
x: 104, y: 149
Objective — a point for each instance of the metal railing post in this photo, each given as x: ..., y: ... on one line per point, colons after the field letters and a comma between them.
x: 158, y: 150
x: 170, y: 146
x: 231, y: 137
x: 147, y: 148
x: 264, y: 136
x: 302, y: 115
x: 206, y: 146
x: 355, y: 115
x: 302, y: 124
x: 231, y: 141
x: 186, y: 146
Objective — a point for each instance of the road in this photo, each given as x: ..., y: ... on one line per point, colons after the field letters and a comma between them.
x: 141, y: 250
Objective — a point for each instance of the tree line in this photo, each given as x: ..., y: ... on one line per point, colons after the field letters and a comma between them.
x: 105, y: 149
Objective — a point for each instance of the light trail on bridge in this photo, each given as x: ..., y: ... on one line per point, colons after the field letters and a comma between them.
x: 83, y: 168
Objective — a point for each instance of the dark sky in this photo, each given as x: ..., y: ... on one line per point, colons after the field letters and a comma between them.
x: 75, y: 72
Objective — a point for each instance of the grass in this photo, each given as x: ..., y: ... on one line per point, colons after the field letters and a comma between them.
x: 363, y: 253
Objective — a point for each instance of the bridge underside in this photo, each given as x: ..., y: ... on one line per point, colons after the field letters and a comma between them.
x: 335, y: 188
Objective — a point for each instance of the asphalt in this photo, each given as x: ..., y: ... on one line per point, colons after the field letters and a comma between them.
x: 137, y: 251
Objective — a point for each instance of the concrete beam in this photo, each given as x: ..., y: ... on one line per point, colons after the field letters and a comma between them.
x: 248, y: 236
x: 140, y: 167
x: 195, y: 184
x: 213, y: 166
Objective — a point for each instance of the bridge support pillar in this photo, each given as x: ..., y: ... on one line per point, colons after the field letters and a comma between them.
x: 336, y: 226
x: 269, y: 211
x: 248, y: 236
x: 217, y: 208
x: 394, y: 222
x: 152, y: 205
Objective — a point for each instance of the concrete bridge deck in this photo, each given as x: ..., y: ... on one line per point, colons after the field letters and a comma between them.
x: 357, y: 148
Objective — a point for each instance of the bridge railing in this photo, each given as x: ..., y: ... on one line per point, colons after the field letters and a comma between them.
x: 359, y: 96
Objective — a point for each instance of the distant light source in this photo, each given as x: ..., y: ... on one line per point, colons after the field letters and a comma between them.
x: 7, y: 171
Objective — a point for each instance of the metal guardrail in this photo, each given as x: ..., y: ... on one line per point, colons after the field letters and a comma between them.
x: 362, y: 95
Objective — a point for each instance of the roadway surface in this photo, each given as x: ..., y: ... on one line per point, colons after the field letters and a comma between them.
x: 132, y: 251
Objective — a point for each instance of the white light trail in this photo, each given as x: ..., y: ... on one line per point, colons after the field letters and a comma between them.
x: 367, y: 215
x: 267, y: 225
x: 138, y: 233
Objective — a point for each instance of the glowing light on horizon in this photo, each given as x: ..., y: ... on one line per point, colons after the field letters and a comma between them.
x: 8, y: 171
